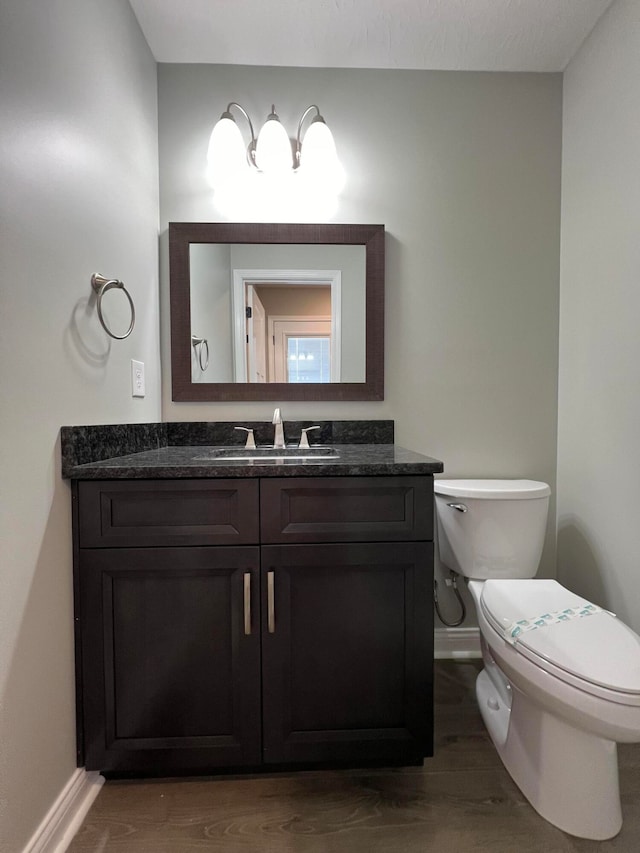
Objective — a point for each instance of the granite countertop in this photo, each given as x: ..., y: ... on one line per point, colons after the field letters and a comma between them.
x: 180, y: 450
x: 187, y: 461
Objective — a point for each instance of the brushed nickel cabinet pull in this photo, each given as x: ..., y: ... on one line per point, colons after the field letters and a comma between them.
x: 247, y: 603
x: 271, y: 606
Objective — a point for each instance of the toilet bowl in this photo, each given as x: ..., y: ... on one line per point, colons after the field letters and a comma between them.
x: 561, y: 680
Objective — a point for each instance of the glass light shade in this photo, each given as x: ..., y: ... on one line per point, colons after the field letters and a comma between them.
x: 318, y: 148
x: 319, y: 159
x: 273, y: 149
x: 226, y: 157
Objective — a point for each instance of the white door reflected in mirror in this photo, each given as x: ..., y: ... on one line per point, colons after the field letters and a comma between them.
x: 256, y: 337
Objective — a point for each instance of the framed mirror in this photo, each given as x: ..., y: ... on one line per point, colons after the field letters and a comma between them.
x: 276, y: 312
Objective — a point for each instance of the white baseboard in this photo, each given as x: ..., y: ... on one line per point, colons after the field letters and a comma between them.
x: 457, y: 643
x: 65, y: 816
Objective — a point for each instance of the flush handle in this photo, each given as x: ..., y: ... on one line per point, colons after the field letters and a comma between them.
x: 459, y: 507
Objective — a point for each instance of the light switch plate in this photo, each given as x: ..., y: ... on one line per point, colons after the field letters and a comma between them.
x: 137, y: 378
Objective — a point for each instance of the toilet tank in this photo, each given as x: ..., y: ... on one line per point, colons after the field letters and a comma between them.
x: 495, y: 528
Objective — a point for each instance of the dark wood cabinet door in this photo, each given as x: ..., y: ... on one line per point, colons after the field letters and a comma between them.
x: 347, y: 651
x: 170, y: 658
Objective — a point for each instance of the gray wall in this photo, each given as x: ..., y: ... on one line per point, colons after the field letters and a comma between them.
x: 464, y: 171
x: 599, y: 403
x: 209, y: 268
x: 78, y: 170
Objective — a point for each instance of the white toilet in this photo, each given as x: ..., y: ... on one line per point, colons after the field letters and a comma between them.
x: 561, y: 678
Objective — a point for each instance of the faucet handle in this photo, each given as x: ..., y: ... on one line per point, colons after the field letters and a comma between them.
x: 251, y: 442
x: 304, y: 441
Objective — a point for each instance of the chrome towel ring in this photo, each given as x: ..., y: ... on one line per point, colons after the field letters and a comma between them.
x: 101, y: 284
x: 201, y: 345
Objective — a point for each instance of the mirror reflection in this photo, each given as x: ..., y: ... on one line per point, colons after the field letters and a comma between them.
x: 268, y: 313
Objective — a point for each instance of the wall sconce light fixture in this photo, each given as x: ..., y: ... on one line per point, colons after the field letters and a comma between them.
x: 272, y: 153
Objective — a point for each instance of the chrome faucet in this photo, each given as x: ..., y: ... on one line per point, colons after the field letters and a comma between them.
x: 278, y: 436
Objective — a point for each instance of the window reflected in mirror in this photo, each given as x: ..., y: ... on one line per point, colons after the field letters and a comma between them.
x: 308, y: 359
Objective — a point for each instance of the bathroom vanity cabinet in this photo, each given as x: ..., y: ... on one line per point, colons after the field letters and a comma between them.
x: 253, y: 622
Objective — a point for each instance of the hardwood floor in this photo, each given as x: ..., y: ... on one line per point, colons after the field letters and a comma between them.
x: 462, y: 800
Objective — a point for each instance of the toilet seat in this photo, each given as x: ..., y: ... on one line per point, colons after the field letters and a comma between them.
x: 597, y: 653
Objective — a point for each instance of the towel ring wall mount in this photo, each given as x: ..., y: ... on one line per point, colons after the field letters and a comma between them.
x: 101, y: 285
x: 201, y: 347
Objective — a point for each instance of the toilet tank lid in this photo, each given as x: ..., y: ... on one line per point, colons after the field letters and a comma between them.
x: 492, y: 489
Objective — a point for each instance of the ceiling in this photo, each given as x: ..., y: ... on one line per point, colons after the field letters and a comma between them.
x: 473, y: 35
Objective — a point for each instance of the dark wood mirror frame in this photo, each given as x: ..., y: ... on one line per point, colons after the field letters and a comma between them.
x: 182, y: 234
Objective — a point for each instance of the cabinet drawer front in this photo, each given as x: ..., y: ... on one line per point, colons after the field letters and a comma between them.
x: 168, y: 512
x: 353, y: 509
